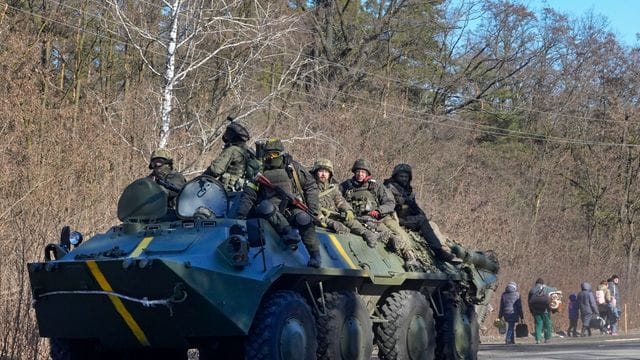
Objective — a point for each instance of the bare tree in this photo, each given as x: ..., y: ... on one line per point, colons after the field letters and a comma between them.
x: 194, y: 35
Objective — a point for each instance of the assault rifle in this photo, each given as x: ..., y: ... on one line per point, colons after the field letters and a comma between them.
x: 167, y: 184
x: 288, y: 197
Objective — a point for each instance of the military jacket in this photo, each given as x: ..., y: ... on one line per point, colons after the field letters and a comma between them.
x: 331, y: 198
x: 230, y: 166
x: 405, y: 199
x: 254, y: 193
x: 368, y: 196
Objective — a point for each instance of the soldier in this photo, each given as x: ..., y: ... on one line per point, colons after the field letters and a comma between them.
x: 335, y: 209
x: 285, y: 174
x: 410, y: 215
x: 236, y: 162
x: 374, y: 206
x: 171, y: 181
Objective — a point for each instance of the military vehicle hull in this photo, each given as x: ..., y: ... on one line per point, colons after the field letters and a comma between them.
x: 228, y: 286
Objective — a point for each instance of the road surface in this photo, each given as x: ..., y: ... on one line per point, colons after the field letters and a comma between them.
x: 601, y: 347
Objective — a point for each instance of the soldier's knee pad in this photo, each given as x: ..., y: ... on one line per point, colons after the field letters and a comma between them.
x: 302, y: 220
x: 265, y: 209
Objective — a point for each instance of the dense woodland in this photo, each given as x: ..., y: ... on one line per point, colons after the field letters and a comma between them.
x: 523, y: 126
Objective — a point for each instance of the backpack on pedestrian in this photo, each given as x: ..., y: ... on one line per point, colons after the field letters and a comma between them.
x: 540, y: 299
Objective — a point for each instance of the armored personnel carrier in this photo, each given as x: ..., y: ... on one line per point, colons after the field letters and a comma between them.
x: 163, y: 282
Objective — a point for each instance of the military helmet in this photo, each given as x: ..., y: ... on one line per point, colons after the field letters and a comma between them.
x: 322, y: 164
x: 273, y: 145
x: 160, y: 153
x: 235, y: 131
x: 402, y: 168
x: 361, y: 164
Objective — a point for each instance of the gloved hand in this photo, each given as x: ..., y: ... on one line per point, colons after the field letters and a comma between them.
x: 374, y: 214
x: 349, y: 216
x: 326, y: 212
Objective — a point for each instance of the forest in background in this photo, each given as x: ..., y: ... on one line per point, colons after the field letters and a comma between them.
x: 522, y: 127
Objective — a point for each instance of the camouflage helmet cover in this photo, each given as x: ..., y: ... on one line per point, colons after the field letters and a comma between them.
x: 322, y: 164
x: 160, y: 153
x: 236, y: 131
x: 273, y: 144
x: 361, y: 164
x: 400, y: 168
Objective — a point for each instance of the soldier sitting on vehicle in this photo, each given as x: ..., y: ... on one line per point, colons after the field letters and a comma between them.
x: 337, y: 213
x: 410, y: 215
x: 374, y: 205
x: 163, y: 174
x: 236, y: 163
x: 278, y: 191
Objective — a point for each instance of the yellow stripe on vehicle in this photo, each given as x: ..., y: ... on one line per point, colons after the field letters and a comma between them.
x: 342, y: 252
x: 117, y: 303
x: 141, y: 246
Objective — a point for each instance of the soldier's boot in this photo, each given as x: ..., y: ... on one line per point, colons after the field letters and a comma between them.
x: 291, y: 237
x: 372, y: 238
x: 314, y: 259
x: 410, y: 261
x: 339, y: 228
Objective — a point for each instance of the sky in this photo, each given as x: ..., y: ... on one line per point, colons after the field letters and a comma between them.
x: 623, y: 15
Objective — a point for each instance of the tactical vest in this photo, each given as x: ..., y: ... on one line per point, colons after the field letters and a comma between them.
x: 362, y: 199
x: 405, y: 210
x: 278, y: 177
x: 233, y: 178
x: 326, y: 195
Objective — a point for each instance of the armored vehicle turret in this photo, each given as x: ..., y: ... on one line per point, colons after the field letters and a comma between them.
x: 164, y: 281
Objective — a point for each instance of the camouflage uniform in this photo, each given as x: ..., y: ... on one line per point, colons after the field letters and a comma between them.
x: 233, y: 165
x: 370, y: 199
x: 162, y: 165
x: 281, y: 171
x: 410, y: 215
x: 337, y: 210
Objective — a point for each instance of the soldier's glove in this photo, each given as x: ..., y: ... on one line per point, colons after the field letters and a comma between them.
x: 374, y: 214
x: 349, y: 216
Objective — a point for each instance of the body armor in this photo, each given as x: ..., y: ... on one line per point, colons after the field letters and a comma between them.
x: 278, y: 177
x: 233, y: 179
x: 362, y: 199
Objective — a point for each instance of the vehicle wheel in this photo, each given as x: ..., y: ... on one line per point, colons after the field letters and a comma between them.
x: 345, y: 332
x: 283, y: 329
x: 459, y: 335
x: 409, y: 332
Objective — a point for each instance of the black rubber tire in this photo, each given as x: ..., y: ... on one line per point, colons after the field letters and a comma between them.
x: 474, y: 332
x: 345, y: 332
x: 459, y: 332
x: 284, y: 316
x: 409, y: 333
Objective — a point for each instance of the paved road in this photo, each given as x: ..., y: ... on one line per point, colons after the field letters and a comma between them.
x: 601, y: 347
